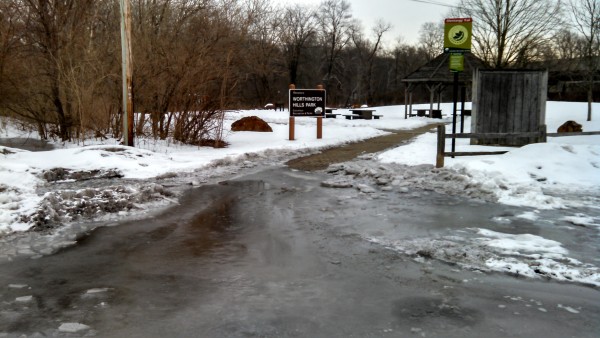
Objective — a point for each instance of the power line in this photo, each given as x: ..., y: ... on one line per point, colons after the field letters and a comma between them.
x: 431, y: 2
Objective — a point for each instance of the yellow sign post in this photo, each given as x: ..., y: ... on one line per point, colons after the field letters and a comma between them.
x: 457, y: 42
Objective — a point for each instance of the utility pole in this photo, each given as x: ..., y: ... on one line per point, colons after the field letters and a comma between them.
x: 127, y: 73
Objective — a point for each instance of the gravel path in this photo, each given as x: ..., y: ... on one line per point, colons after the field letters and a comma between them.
x: 348, y: 152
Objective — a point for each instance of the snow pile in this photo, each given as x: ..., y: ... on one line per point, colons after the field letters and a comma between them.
x: 522, y: 254
x: 528, y: 176
x: 534, y: 256
x: 392, y: 177
x: 583, y: 220
x: 18, y: 195
x: 523, y: 175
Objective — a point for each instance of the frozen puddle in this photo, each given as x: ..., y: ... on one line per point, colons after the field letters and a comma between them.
x: 481, y: 249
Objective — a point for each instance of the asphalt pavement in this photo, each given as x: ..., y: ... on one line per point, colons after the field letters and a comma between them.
x: 276, y: 254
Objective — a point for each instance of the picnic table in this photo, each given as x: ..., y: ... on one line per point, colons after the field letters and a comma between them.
x: 431, y: 113
x: 364, y: 114
x: 329, y: 113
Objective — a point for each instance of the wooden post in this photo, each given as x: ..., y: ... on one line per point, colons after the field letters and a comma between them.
x: 291, y: 125
x: 441, y: 146
x: 319, y: 127
x: 320, y: 120
x: 543, y: 134
x: 127, y: 73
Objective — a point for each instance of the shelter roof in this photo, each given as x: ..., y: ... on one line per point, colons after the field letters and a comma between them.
x: 438, y: 70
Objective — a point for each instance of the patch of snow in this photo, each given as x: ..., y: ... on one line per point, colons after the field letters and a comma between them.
x: 17, y: 286
x: 97, y: 290
x: 72, y: 327
x: 516, y: 244
x: 530, y: 215
x: 524, y: 255
x: 582, y: 220
x: 567, y: 308
x: 24, y: 299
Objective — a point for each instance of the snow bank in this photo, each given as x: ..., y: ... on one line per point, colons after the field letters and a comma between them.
x: 526, y: 176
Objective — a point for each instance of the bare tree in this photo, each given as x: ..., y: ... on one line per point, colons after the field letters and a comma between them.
x: 336, y: 26
x: 9, y: 47
x: 298, y: 28
x: 432, y: 39
x: 262, y: 52
x: 567, y: 45
x: 54, y: 34
x: 368, y: 50
x: 506, y: 32
x: 586, y: 15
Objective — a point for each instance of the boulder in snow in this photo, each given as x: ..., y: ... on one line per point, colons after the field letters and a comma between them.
x: 570, y: 127
x: 251, y: 123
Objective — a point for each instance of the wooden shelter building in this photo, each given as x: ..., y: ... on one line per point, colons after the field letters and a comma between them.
x: 436, y: 76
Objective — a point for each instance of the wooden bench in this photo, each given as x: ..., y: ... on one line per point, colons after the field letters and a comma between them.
x: 353, y: 117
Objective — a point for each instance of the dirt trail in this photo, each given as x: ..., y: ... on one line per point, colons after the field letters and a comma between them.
x: 348, y: 152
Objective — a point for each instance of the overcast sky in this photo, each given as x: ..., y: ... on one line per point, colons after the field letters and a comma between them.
x: 406, y: 16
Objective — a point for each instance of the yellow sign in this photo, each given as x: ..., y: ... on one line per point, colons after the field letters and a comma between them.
x: 457, y: 35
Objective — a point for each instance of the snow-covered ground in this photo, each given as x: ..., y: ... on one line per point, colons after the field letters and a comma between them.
x: 565, y: 172
x: 525, y: 176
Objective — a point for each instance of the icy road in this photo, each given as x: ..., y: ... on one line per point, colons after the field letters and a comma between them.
x: 285, y: 253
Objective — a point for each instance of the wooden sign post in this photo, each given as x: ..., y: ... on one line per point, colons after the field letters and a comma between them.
x: 292, y: 121
x: 320, y: 119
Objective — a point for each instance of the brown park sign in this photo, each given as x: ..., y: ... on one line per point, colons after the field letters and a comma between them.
x: 307, y: 102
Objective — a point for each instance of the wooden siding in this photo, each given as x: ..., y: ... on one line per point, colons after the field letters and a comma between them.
x: 511, y: 101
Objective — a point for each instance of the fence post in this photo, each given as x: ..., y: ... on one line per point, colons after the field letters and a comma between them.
x: 543, y: 134
x: 441, y: 146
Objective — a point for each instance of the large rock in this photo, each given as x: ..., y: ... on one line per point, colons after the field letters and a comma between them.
x: 251, y: 123
x: 570, y: 127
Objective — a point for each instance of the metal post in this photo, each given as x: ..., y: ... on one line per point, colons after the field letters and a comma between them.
x: 455, y: 99
x: 127, y: 73
x: 463, y: 95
